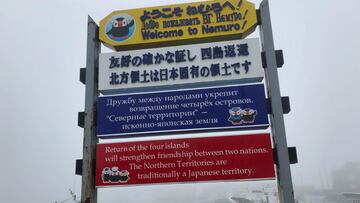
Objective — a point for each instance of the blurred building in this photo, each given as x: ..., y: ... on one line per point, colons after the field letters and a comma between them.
x: 347, y: 178
x: 352, y: 197
x: 345, y: 187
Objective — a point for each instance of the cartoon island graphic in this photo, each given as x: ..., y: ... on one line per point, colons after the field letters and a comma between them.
x: 240, y: 116
x: 113, y: 175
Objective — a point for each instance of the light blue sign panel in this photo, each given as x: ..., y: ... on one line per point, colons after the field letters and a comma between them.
x: 185, y: 111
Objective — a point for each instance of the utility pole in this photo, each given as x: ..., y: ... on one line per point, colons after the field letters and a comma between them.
x: 88, y: 190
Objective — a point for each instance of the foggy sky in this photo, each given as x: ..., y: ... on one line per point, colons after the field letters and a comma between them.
x: 43, y: 45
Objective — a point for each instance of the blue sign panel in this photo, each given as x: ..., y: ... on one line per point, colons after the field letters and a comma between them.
x: 210, y: 109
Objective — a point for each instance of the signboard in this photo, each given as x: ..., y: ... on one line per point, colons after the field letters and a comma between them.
x: 188, y: 23
x: 231, y: 107
x: 185, y: 160
x: 168, y: 68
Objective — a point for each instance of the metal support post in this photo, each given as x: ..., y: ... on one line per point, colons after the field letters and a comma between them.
x: 88, y: 190
x: 286, y: 193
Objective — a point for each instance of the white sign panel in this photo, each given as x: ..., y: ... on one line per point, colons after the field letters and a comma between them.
x: 174, y: 67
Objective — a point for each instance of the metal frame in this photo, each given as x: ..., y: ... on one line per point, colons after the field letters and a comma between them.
x: 286, y: 192
x: 88, y: 190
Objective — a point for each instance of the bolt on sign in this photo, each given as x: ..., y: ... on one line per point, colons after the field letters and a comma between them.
x: 189, y: 23
x: 206, y: 64
x: 245, y: 157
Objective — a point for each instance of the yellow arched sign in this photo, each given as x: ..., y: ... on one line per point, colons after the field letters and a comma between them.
x: 178, y: 24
